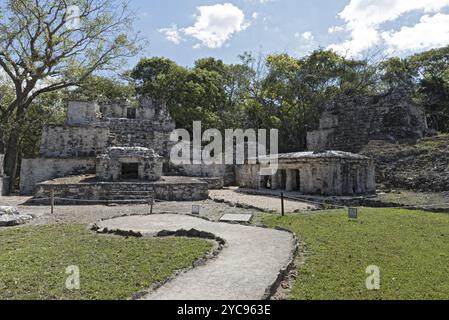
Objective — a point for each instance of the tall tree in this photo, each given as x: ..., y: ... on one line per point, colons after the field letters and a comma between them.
x: 48, y: 45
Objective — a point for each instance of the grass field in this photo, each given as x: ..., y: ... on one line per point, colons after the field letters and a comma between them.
x: 411, y: 248
x: 33, y: 262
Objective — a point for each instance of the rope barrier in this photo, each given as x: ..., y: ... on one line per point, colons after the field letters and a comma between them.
x: 345, y: 207
x: 99, y: 201
x: 152, y: 201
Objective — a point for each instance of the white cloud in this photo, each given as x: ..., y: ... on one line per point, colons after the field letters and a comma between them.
x: 335, y: 29
x: 306, y: 36
x: 216, y: 24
x: 172, y: 34
x: 306, y: 42
x: 430, y: 32
x: 364, y: 18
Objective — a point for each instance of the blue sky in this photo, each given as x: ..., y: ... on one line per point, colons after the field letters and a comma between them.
x: 187, y: 30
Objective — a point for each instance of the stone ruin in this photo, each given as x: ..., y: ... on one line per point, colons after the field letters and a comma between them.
x: 323, y: 173
x: 120, y: 152
x: 129, y: 164
x: 349, y: 123
x: 111, y: 152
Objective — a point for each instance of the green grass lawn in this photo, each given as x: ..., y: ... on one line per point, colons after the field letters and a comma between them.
x: 33, y: 262
x: 411, y: 248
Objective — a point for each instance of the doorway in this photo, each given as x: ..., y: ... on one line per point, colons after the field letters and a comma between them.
x: 130, y: 171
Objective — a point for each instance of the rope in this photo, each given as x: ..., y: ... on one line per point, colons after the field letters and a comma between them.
x: 345, y: 207
x: 147, y: 200
x: 99, y: 201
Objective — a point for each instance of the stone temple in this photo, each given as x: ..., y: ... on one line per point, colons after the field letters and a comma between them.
x: 324, y: 173
x: 112, y: 152
x: 120, y: 152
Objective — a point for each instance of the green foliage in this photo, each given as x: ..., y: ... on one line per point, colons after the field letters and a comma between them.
x: 33, y: 261
x: 281, y: 92
x: 206, y: 93
x: 103, y: 90
x: 409, y: 247
x: 426, y: 76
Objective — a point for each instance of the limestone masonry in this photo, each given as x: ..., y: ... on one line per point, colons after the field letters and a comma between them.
x: 90, y: 132
x: 119, y: 152
x: 325, y: 173
x: 349, y: 123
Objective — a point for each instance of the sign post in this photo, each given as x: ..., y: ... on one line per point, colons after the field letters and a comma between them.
x: 196, y: 210
x: 353, y: 213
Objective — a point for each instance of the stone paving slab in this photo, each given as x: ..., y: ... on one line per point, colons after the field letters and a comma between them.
x: 236, y: 218
x: 246, y: 269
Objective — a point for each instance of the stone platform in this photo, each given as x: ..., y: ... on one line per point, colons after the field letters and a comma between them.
x: 88, y: 190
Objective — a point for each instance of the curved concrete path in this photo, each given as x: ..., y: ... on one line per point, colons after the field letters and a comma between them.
x: 246, y: 269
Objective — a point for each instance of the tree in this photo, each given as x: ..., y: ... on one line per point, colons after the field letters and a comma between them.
x: 295, y: 91
x: 48, y: 45
x: 196, y: 94
x: 104, y: 90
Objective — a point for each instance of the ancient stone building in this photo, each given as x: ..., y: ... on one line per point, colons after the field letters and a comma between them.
x: 110, y: 153
x: 125, y: 163
x: 119, y: 152
x: 325, y: 173
x: 90, y: 132
x: 349, y: 123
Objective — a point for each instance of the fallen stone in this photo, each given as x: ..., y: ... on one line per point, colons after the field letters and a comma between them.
x: 10, y: 216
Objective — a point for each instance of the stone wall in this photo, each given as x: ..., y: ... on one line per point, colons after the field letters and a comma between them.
x: 34, y: 171
x: 141, y: 133
x: 82, y: 113
x: 73, y: 142
x: 226, y: 172
x: 248, y: 176
x: 349, y: 123
x: 185, y: 190
x: 109, y: 165
x: 4, y: 186
x: 314, y: 175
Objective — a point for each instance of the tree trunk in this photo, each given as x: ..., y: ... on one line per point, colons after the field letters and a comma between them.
x: 2, y: 144
x: 12, y: 150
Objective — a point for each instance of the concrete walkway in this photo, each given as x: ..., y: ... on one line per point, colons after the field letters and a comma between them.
x: 266, y: 202
x: 246, y: 269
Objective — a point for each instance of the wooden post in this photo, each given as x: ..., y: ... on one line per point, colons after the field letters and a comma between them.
x: 282, y: 204
x: 52, y: 201
x: 151, y: 203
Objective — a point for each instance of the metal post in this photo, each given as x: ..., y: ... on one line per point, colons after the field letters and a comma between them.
x: 282, y: 204
x: 52, y: 201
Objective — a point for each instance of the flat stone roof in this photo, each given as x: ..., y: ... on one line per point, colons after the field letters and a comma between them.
x: 317, y: 155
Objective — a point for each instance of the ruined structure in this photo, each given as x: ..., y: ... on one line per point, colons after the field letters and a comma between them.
x: 111, y: 152
x: 129, y: 164
x: 119, y: 152
x: 89, y: 133
x: 349, y: 123
x: 325, y: 173
x: 4, y: 181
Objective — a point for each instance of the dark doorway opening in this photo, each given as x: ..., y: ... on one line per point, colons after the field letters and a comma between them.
x: 283, y: 179
x: 130, y: 171
x: 298, y: 180
x: 131, y: 113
